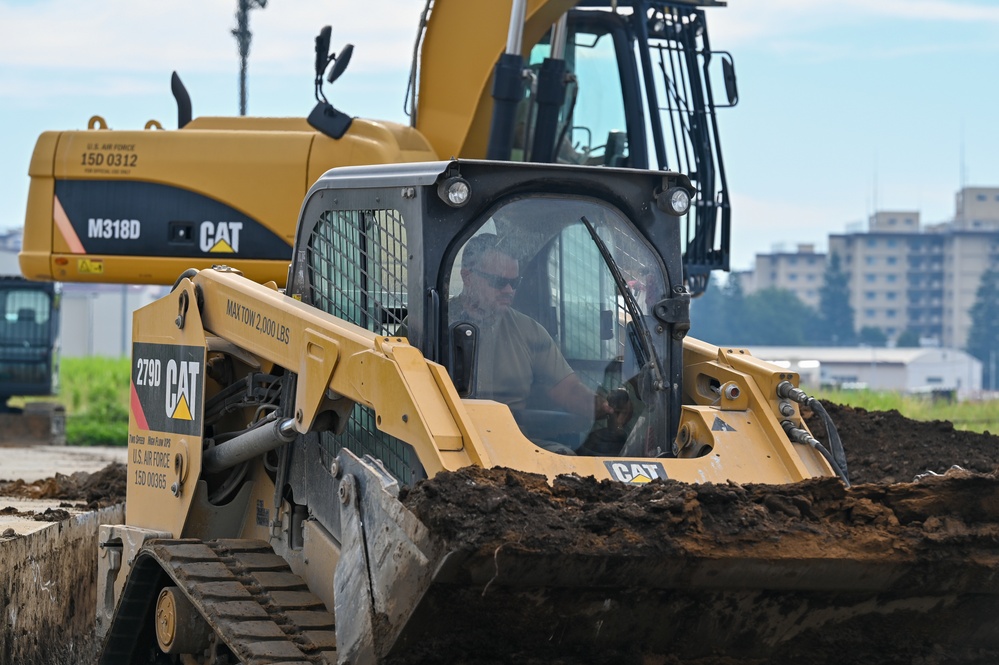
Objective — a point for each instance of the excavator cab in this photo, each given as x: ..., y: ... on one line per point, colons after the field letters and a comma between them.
x: 638, y: 86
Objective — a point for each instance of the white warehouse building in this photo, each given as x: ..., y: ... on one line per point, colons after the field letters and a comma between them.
x: 910, y: 370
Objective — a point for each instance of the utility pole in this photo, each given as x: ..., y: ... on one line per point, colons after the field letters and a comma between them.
x: 242, y: 34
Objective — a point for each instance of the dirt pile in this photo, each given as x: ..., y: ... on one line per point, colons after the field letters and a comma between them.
x: 889, y: 571
x: 887, y: 447
x: 89, y: 491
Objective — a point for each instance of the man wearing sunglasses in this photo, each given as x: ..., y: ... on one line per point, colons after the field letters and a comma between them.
x: 516, y: 355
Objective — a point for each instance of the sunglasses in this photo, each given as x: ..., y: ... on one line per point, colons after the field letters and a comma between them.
x: 498, y: 282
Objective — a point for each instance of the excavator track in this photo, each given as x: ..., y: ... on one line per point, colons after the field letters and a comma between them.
x: 249, y: 596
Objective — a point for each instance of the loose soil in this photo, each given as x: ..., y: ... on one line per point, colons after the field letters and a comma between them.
x: 901, y: 568
x: 889, y: 571
x: 81, y: 490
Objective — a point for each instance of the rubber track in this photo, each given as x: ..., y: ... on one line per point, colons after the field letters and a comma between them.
x: 248, y: 594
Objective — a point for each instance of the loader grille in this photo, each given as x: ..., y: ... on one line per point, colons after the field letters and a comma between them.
x: 358, y: 260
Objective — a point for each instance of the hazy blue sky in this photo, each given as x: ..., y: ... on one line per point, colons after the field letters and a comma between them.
x: 845, y: 105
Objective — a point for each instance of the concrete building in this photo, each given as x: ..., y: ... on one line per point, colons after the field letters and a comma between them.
x: 903, y: 274
x: 800, y: 272
x: 877, y: 262
x: 910, y: 370
x: 96, y: 319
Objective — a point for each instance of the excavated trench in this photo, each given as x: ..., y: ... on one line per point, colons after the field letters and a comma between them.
x: 944, y: 527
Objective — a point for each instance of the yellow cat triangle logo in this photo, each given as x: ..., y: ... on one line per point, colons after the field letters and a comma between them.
x: 222, y: 247
x: 183, y: 411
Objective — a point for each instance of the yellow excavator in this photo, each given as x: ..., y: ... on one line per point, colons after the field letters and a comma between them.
x: 615, y: 83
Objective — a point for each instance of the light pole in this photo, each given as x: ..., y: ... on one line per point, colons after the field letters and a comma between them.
x: 243, y: 35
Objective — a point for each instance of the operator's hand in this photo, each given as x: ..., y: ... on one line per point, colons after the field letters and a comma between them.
x: 615, y: 407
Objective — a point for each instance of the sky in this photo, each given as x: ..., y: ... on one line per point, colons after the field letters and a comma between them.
x: 845, y: 106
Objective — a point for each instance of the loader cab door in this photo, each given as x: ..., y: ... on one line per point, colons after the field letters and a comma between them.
x: 547, y: 310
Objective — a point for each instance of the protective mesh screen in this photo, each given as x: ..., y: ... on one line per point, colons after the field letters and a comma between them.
x: 358, y: 264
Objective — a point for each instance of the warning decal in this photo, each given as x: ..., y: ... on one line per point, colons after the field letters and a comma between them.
x: 720, y: 425
x: 167, y: 387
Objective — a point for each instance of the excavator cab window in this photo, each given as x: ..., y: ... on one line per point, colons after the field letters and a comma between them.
x: 548, y: 303
x: 593, y: 122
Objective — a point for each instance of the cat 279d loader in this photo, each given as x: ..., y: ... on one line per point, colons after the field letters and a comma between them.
x: 272, y: 431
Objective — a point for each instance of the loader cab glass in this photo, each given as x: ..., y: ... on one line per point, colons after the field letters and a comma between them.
x: 553, y: 336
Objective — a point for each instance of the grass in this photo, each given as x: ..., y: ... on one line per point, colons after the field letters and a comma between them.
x: 95, y: 394
x: 974, y: 416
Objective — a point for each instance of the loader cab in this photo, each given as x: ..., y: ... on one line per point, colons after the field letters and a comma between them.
x: 595, y: 259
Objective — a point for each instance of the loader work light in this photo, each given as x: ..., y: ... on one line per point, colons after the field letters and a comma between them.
x: 674, y: 201
x: 454, y: 191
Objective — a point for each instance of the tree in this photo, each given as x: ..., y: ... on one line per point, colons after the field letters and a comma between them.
x: 709, y: 316
x: 777, y: 317
x: 908, y: 339
x: 835, y: 310
x: 873, y: 336
x: 983, y: 337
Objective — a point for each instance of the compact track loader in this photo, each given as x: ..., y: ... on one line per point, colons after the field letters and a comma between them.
x: 273, y: 432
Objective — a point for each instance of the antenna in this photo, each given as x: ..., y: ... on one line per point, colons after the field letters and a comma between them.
x: 243, y: 36
x: 964, y: 170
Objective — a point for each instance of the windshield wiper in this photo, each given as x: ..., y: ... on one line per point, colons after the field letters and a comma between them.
x: 648, y: 348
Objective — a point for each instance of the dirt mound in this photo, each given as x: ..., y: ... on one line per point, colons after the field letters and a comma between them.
x: 887, y: 447
x: 926, y: 553
x: 89, y: 490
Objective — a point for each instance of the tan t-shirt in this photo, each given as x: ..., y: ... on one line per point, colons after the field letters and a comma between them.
x: 515, y: 353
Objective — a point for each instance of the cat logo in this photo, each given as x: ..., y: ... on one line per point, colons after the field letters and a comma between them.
x: 182, y: 388
x: 220, y: 238
x: 635, y: 472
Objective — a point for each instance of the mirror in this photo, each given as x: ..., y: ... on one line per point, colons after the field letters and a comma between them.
x: 341, y: 63
x: 323, y: 50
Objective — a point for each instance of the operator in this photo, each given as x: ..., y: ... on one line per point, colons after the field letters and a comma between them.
x: 515, y: 352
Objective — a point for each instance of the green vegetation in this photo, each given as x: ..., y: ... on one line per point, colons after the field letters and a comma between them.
x: 95, y: 394
x: 971, y: 416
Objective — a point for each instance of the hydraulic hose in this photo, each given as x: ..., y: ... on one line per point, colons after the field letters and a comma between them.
x: 802, y: 436
x: 837, y: 456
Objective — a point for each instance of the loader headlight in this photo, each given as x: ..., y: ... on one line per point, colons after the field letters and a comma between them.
x: 454, y: 191
x: 674, y: 201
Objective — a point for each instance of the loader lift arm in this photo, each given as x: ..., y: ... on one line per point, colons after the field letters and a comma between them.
x: 328, y: 354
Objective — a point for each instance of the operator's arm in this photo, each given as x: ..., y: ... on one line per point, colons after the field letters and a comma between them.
x: 572, y: 395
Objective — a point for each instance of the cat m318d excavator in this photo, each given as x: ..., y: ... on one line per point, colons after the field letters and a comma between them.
x: 615, y: 83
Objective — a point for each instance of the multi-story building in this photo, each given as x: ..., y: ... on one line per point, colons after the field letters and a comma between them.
x: 904, y: 275
x: 878, y: 268
x: 800, y: 272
